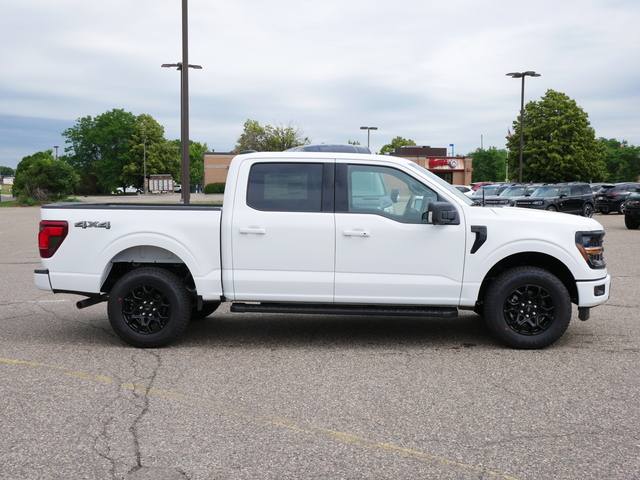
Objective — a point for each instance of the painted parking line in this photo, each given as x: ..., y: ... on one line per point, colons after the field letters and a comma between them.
x: 269, y: 419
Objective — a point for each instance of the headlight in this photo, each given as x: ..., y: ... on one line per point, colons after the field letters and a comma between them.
x: 590, y: 246
x: 537, y: 202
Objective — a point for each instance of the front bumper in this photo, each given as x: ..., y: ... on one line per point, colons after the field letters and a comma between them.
x: 592, y: 293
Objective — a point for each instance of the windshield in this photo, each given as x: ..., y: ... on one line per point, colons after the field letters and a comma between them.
x: 487, y: 190
x: 550, y: 191
x: 516, y: 191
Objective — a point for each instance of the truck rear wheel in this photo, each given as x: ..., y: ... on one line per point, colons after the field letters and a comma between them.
x: 149, y: 307
x: 527, y: 307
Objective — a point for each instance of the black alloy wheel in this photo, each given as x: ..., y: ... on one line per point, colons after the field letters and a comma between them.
x: 149, y: 307
x: 527, y: 307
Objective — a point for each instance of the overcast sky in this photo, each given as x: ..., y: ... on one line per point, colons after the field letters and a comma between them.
x: 430, y: 71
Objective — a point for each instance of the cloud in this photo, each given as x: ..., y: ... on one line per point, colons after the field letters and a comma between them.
x: 433, y: 72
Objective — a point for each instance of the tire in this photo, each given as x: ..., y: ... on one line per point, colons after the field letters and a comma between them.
x: 149, y: 307
x: 631, y: 223
x: 551, y: 208
x: 207, y: 309
x: 527, y: 307
x: 587, y: 210
x: 621, y: 207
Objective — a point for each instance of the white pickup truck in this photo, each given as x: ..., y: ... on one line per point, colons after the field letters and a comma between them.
x: 326, y: 233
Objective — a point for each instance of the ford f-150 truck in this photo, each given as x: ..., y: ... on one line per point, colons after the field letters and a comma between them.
x: 339, y: 233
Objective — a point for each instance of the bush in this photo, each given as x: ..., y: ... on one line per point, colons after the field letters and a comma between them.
x: 42, y: 178
x: 214, y: 187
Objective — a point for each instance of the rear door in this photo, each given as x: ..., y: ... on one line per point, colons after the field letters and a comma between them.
x: 283, y: 232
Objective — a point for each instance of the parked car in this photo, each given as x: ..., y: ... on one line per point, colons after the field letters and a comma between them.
x: 632, y: 211
x: 576, y: 198
x: 485, y: 191
x: 508, y: 197
x: 612, y: 197
x: 330, y: 147
x: 476, y: 185
x: 177, y: 188
x: 464, y: 189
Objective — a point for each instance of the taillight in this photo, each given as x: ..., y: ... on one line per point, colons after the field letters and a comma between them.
x: 51, y: 236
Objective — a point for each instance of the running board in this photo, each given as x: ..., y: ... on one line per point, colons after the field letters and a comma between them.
x: 337, y: 309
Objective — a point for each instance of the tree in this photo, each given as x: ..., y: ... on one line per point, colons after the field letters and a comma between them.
x: 489, y: 165
x: 396, y: 143
x: 622, y: 160
x: 7, y: 171
x: 41, y: 177
x: 162, y: 156
x: 270, y: 139
x: 196, y: 163
x: 559, y: 143
x: 100, y: 147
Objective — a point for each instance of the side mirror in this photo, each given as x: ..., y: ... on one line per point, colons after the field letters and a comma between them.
x: 395, y: 193
x: 443, y: 213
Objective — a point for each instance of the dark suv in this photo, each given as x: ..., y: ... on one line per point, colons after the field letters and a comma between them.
x: 632, y: 211
x: 613, y: 197
x: 574, y: 198
x: 508, y: 197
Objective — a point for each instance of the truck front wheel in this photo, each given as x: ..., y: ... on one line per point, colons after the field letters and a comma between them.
x: 631, y: 223
x: 527, y: 307
x: 149, y: 307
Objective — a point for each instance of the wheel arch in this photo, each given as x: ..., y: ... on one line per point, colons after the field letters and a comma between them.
x: 141, y: 256
x: 531, y: 259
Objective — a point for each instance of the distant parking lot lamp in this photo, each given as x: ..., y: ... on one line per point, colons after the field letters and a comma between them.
x: 528, y: 73
x: 368, y: 129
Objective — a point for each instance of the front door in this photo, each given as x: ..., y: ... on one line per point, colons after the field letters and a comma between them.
x: 386, y: 252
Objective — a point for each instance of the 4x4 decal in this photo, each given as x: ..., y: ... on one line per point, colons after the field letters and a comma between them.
x: 84, y: 224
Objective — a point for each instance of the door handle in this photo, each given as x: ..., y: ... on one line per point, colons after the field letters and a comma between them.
x: 356, y: 233
x: 253, y: 231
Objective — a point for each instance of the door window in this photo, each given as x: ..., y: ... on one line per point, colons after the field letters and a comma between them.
x: 285, y: 187
x: 388, y: 192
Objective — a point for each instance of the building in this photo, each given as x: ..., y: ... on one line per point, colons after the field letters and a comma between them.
x: 216, y: 166
x: 455, y: 170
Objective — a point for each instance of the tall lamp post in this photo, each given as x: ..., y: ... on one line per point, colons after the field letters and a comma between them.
x: 528, y: 73
x: 56, y: 147
x: 368, y: 129
x: 184, y: 102
x: 144, y: 163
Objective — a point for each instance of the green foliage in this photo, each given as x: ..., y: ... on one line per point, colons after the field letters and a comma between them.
x: 396, y: 143
x: 101, y: 147
x: 559, y: 143
x: 41, y: 178
x: 270, y: 139
x: 489, y: 165
x: 7, y: 171
x: 217, y: 187
x: 622, y: 160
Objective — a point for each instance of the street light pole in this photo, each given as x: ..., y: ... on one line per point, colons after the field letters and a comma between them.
x: 184, y: 103
x: 528, y: 73
x: 144, y: 160
x: 56, y: 147
x: 368, y: 129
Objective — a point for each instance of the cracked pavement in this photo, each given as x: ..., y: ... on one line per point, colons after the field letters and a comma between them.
x: 274, y: 397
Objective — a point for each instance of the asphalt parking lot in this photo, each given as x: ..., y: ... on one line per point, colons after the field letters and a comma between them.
x: 265, y: 396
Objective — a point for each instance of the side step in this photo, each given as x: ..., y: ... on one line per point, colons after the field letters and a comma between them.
x: 337, y: 309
